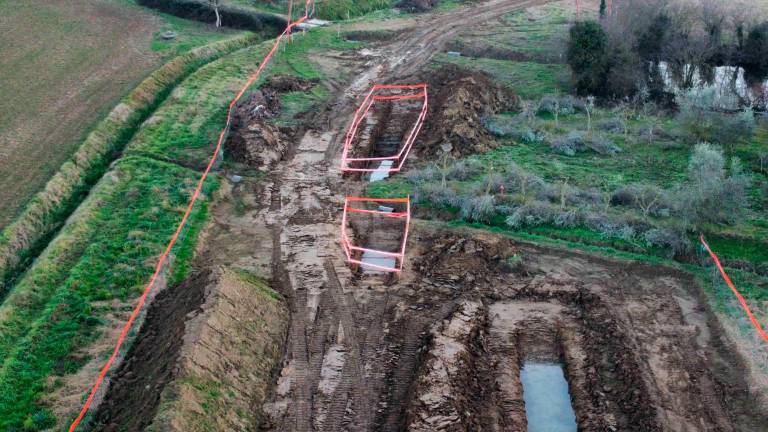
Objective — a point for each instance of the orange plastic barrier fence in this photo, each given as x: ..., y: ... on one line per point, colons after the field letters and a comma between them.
x: 738, y: 295
x: 362, y: 112
x: 193, y: 199
x: 350, y: 249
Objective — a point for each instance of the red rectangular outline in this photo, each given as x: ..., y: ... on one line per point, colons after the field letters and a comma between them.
x: 363, y: 111
x: 350, y: 249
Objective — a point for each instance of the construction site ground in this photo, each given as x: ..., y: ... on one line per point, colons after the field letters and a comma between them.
x: 440, y: 346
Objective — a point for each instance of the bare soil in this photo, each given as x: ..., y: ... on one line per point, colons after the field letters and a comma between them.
x: 255, y: 140
x: 460, y: 99
x: 440, y: 346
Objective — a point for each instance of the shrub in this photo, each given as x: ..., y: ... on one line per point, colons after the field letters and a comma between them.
x: 479, y: 209
x: 613, y: 125
x: 558, y: 105
x: 701, y: 123
x: 569, y: 144
x: 500, y: 126
x: 437, y: 194
x: 673, y: 241
x: 530, y: 136
x: 464, y: 169
x: 710, y: 195
x: 602, y: 145
x: 649, y: 199
x: 422, y: 175
x: 609, y: 227
x: 533, y: 214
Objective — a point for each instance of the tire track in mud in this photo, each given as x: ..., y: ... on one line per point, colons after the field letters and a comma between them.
x: 304, y: 183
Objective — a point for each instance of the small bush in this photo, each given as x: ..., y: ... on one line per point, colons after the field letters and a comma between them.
x: 650, y: 199
x: 464, y: 170
x: 479, y: 209
x: 533, y: 214
x: 569, y: 144
x: 673, y: 241
x: 426, y: 174
x: 610, y: 227
x: 500, y: 126
x: 530, y: 136
x: 613, y: 125
x: 602, y: 145
x: 710, y: 195
x: 437, y: 194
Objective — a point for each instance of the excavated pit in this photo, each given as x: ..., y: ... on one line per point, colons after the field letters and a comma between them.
x: 443, y: 347
x: 383, y: 134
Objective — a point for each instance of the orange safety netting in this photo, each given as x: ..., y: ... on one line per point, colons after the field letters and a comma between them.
x: 193, y: 199
x: 362, y: 112
x: 738, y: 295
x: 351, y: 250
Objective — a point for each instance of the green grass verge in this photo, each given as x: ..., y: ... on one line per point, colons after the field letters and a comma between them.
x: 107, y: 253
x: 325, y: 9
x: 527, y: 79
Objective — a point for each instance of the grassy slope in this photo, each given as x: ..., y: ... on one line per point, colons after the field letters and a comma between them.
x: 109, y: 248
x: 58, y: 83
x: 189, y: 140
x: 107, y: 253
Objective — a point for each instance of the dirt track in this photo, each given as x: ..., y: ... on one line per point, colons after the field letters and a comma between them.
x: 367, y: 352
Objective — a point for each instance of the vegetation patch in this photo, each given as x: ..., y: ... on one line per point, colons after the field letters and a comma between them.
x: 106, y: 253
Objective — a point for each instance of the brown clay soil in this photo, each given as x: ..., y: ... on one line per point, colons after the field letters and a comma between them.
x: 257, y: 141
x: 440, y: 347
x: 460, y: 99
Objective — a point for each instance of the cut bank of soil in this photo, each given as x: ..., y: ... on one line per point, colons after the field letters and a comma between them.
x: 203, y: 359
x: 256, y: 140
x: 134, y: 391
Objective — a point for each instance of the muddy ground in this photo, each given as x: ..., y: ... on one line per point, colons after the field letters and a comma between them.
x: 441, y: 346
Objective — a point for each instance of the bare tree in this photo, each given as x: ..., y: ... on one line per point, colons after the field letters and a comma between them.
x: 215, y: 5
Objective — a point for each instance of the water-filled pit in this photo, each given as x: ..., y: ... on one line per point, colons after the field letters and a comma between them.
x: 548, y: 405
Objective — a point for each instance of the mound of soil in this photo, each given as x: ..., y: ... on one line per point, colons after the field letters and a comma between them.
x: 465, y: 259
x: 459, y: 100
x: 257, y: 141
x: 417, y: 5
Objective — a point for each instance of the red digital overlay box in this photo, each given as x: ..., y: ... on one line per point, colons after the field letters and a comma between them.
x: 384, y: 93
x: 380, y: 260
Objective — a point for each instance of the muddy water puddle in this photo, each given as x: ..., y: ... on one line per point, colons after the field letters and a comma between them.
x: 548, y: 405
x: 377, y: 259
x: 384, y: 166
